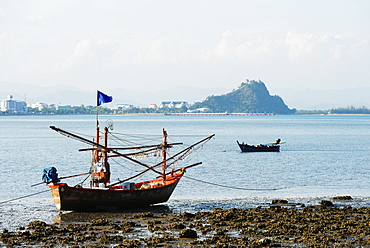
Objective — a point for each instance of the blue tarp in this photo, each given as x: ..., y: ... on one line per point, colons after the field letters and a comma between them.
x: 50, y: 175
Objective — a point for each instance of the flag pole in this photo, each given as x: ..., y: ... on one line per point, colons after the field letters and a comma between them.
x: 97, y: 108
x: 97, y: 140
x: 97, y: 119
x: 101, y: 98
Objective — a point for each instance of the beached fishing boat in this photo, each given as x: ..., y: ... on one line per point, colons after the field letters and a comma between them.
x: 100, y: 193
x: 272, y: 147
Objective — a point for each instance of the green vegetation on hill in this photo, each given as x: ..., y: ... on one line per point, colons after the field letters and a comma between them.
x: 250, y: 97
x: 350, y: 110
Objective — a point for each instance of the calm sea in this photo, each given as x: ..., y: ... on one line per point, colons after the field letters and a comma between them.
x: 324, y: 156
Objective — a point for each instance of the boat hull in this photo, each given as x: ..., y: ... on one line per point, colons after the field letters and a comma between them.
x: 87, y: 199
x: 251, y: 148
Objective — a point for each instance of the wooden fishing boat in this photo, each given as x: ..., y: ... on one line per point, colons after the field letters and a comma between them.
x: 115, y: 197
x: 272, y: 147
x: 100, y: 194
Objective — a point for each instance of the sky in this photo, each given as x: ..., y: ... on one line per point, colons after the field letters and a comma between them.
x: 145, y: 45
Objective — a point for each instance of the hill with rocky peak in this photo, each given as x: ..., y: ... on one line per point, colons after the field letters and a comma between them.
x: 250, y: 97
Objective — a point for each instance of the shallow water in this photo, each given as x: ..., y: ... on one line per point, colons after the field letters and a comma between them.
x: 324, y: 156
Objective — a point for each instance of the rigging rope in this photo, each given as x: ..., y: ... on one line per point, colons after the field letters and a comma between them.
x: 120, y: 164
x: 24, y: 196
x: 225, y: 186
x: 80, y: 184
x: 137, y: 137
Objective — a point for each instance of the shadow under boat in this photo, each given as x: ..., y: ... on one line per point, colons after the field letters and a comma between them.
x: 73, y: 216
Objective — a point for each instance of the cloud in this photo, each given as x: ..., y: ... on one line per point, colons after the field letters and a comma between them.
x: 3, y: 35
x: 257, y: 48
x: 361, y: 47
x: 345, y: 52
x: 294, y: 46
x: 245, y: 48
x: 154, y: 53
x: 81, y: 50
x: 37, y: 19
x: 224, y: 48
x: 302, y: 44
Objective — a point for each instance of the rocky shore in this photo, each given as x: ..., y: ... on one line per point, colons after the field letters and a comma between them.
x: 279, y: 225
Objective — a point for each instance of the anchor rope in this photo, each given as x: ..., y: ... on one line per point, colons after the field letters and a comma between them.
x: 18, y: 198
x: 226, y: 186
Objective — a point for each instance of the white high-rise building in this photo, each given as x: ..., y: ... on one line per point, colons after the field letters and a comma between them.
x: 13, y: 105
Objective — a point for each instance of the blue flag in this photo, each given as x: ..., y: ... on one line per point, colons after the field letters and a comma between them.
x: 103, y: 98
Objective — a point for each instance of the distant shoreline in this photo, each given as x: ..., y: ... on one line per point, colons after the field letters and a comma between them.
x: 179, y: 114
x: 198, y: 114
x: 347, y: 114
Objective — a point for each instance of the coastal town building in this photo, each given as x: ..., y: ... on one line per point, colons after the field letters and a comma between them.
x: 199, y: 110
x: 13, y: 106
x: 153, y: 106
x: 173, y: 104
x: 39, y: 105
x: 120, y: 106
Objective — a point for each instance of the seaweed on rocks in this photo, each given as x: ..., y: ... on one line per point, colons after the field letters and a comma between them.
x: 276, y: 225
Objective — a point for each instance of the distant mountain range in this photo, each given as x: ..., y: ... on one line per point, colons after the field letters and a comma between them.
x: 68, y: 95
x: 314, y: 99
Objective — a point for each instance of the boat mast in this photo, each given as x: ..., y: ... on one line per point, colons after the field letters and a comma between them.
x: 97, y: 137
x: 105, y: 157
x: 164, y: 152
x: 105, y: 152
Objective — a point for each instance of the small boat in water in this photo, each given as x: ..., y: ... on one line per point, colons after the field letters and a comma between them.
x: 99, y: 194
x: 272, y: 147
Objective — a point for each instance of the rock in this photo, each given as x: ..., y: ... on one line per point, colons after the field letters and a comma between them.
x: 342, y: 198
x: 99, y: 222
x: 143, y: 215
x: 187, y: 216
x: 177, y: 226
x: 262, y: 242
x: 188, y: 233
x: 36, y: 225
x: 325, y: 203
x: 279, y: 202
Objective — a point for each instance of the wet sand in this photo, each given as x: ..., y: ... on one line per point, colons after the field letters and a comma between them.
x: 281, y: 224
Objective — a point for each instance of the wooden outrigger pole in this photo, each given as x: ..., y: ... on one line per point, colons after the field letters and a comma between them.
x: 110, y: 150
x: 172, y: 157
x: 153, y: 147
x: 101, y: 147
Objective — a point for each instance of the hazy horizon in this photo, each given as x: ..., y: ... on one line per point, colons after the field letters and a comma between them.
x: 156, y: 45
x: 67, y: 95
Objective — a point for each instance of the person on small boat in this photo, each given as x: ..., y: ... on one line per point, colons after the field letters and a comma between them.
x: 277, y: 141
x: 100, y: 174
